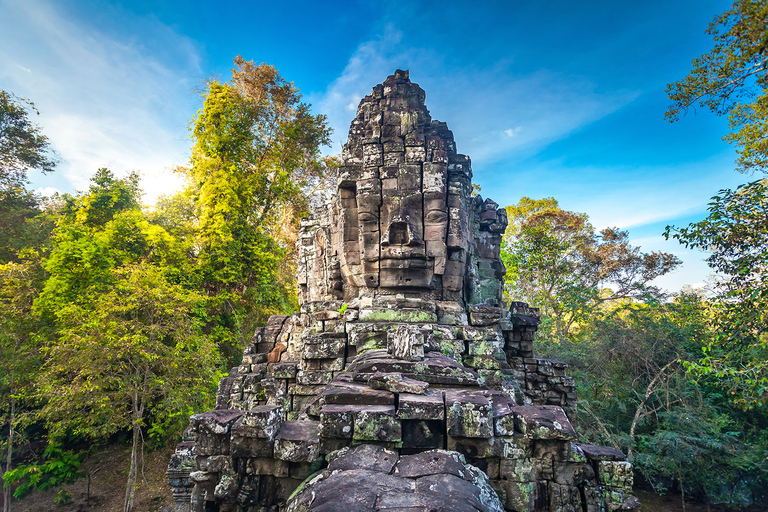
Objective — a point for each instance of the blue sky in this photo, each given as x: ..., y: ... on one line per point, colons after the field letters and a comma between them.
x: 560, y: 98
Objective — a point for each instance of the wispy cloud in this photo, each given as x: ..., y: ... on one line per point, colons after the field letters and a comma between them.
x: 634, y: 196
x: 478, y: 103
x: 369, y: 65
x: 105, y: 100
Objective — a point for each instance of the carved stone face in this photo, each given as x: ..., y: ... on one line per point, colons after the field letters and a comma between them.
x: 400, y: 229
x: 399, y: 218
x: 404, y: 198
x: 403, y: 253
x: 403, y: 224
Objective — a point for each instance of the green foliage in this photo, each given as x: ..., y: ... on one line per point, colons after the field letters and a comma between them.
x: 57, y: 467
x: 736, y: 234
x: 24, y: 222
x: 62, y: 497
x: 123, y: 348
x: 701, y: 449
x: 557, y: 261
x: 132, y: 351
x: 98, y: 232
x: 732, y: 79
x: 24, y: 230
x: 126, y: 324
x: 634, y: 391
x: 106, y: 197
x: 23, y: 147
x: 20, y: 357
x: 255, y: 166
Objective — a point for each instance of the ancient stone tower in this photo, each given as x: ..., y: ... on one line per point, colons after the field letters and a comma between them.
x: 404, y: 383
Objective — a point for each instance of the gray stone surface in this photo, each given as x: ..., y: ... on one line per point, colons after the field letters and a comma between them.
x: 403, y: 383
x: 374, y: 479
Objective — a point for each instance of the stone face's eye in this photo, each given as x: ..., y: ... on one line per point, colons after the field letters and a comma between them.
x: 436, y: 217
x: 367, y: 217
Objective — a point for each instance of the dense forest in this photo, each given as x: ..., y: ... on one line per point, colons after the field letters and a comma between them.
x: 118, y: 318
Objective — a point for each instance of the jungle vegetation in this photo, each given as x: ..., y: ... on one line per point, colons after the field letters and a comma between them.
x: 117, y: 318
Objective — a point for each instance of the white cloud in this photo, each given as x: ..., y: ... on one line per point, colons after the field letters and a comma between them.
x: 104, y: 100
x: 476, y: 103
x: 47, y: 191
x: 369, y: 65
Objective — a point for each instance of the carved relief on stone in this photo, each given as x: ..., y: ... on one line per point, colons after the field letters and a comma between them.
x: 404, y: 382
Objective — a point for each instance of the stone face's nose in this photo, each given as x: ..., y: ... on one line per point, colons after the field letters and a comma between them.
x: 400, y: 232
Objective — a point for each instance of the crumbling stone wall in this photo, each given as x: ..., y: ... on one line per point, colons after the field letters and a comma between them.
x: 402, y: 348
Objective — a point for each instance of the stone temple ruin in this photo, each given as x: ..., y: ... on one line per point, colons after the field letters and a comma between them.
x: 404, y: 383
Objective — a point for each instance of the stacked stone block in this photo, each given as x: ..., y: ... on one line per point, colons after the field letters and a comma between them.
x: 403, y: 370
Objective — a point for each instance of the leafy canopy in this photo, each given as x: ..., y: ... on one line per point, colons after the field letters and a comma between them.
x: 736, y: 234
x: 23, y: 147
x: 732, y: 79
x: 255, y: 164
x: 556, y: 260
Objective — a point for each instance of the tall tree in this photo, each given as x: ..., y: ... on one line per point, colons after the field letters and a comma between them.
x: 732, y: 79
x: 23, y: 148
x: 23, y: 227
x: 736, y: 234
x: 127, y: 355
x: 127, y: 350
x: 556, y: 260
x: 20, y: 356
x: 256, y: 156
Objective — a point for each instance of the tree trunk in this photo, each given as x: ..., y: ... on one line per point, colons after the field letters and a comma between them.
x: 7, y: 496
x: 606, y: 433
x: 682, y: 493
x: 650, y: 390
x: 130, y: 486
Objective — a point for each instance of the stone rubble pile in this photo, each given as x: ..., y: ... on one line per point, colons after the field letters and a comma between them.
x: 404, y: 382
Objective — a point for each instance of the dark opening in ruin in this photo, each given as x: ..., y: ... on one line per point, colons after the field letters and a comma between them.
x: 398, y: 233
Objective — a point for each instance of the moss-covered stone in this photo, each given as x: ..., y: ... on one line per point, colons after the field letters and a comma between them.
x: 377, y: 423
x: 397, y: 315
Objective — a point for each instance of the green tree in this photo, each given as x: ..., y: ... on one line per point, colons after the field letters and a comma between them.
x: 736, y: 234
x: 24, y: 229
x: 23, y: 147
x: 131, y: 354
x: 629, y: 364
x: 126, y: 351
x: 732, y: 79
x: 254, y: 161
x: 557, y: 261
x: 20, y: 356
x: 98, y: 231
